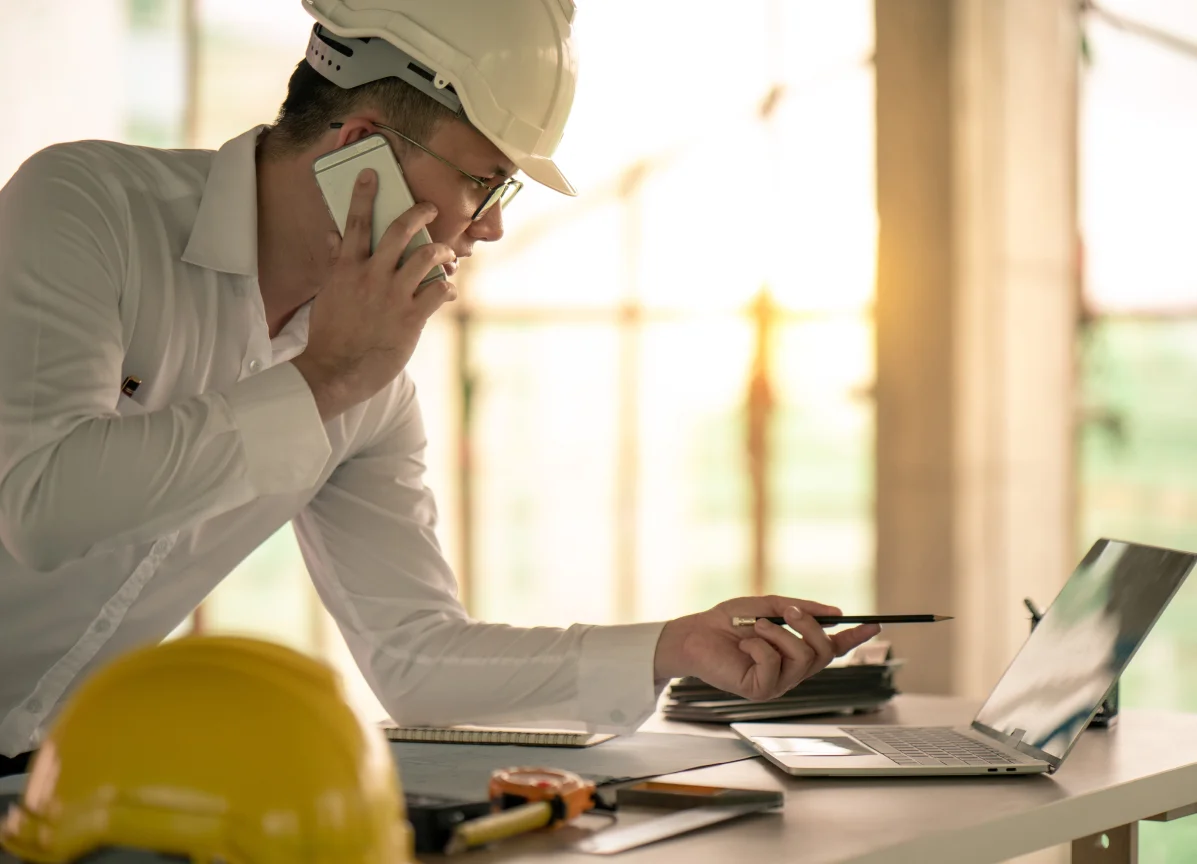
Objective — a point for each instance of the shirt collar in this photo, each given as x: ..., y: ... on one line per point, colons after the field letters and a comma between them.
x: 225, y: 234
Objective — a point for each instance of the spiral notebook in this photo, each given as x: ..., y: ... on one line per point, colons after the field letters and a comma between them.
x: 493, y: 735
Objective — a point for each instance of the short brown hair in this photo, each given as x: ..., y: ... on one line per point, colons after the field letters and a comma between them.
x: 313, y: 103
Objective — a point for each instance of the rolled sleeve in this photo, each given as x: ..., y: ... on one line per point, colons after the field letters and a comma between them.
x: 615, y: 676
x: 286, y: 446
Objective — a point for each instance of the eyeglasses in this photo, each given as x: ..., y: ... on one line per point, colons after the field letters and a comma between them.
x: 500, y: 194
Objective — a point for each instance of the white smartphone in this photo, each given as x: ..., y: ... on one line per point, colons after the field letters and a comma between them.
x: 336, y: 172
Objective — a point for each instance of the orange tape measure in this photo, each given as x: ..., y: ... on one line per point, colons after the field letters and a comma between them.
x: 525, y: 799
x: 569, y: 795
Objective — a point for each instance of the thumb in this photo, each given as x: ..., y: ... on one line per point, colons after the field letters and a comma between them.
x: 333, y: 242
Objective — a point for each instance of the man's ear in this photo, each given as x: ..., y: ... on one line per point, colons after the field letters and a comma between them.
x: 354, y: 129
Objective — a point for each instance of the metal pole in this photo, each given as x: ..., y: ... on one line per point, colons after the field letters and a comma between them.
x: 760, y: 408
x: 627, y: 467
x: 191, y: 72
x: 764, y: 312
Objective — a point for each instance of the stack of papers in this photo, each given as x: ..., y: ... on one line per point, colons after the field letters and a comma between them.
x: 856, y: 686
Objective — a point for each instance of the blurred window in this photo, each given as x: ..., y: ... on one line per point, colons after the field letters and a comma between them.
x: 1138, y: 441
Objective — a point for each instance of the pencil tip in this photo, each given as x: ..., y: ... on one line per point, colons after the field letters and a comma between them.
x: 943, y: 617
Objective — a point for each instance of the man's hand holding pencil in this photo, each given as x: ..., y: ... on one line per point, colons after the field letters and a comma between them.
x: 761, y: 661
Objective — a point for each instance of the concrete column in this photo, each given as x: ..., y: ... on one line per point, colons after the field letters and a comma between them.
x: 976, y: 308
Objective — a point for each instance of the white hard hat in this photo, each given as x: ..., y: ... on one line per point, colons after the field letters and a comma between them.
x: 506, y: 67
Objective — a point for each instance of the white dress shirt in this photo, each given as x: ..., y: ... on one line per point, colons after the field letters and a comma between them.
x: 118, y: 515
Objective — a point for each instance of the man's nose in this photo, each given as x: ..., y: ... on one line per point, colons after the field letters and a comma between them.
x: 489, y: 227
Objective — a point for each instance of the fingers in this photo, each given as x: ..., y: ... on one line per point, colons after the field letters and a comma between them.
x: 418, y: 265
x: 434, y: 295
x: 770, y: 660
x: 359, y: 223
x: 775, y: 605
x: 813, y: 636
x: 791, y: 648
x: 798, y: 659
x: 399, y: 234
x: 810, y: 607
x: 761, y: 678
x: 845, y: 640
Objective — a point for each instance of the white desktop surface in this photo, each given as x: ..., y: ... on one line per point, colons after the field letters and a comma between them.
x: 1146, y: 765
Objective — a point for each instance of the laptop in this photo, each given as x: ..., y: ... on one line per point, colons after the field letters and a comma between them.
x: 1042, y: 703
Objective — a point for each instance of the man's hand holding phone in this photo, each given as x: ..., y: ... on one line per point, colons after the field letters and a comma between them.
x: 366, y: 321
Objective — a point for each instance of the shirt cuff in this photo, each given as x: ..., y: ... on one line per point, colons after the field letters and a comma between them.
x: 285, y: 444
x: 616, y: 687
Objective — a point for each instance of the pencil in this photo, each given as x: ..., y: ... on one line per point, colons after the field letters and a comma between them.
x: 836, y: 620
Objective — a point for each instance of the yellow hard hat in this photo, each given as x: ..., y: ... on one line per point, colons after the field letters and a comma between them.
x: 215, y: 748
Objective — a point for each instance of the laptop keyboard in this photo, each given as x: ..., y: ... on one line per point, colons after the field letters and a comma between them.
x: 927, y: 745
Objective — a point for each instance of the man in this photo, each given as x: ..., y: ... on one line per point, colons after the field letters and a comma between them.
x: 191, y: 356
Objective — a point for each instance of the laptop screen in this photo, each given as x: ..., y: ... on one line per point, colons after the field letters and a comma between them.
x: 1082, y: 644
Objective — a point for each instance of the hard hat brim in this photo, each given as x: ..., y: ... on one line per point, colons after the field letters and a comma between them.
x: 543, y: 171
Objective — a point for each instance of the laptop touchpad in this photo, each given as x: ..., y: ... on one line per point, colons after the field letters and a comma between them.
x: 817, y: 745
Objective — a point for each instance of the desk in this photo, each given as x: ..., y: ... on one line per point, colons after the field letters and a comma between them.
x: 1145, y: 767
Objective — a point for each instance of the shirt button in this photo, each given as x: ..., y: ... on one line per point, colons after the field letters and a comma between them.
x: 617, y: 717
x: 33, y: 706
x: 102, y: 625
x: 255, y: 365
